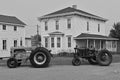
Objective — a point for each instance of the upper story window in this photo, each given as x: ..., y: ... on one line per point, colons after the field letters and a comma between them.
x: 46, y: 25
x: 15, y: 43
x: 69, y: 23
x: 58, y: 42
x: 4, y: 44
x: 87, y: 26
x: 46, y: 42
x: 15, y: 28
x: 98, y: 27
x: 4, y: 27
x: 57, y: 25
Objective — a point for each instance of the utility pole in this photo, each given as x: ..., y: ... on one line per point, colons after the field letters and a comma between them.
x: 38, y: 36
x: 37, y: 30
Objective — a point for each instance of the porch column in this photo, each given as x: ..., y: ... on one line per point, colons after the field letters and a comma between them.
x: 116, y: 45
x: 87, y: 43
x: 105, y: 44
x: 100, y: 44
x: 94, y: 43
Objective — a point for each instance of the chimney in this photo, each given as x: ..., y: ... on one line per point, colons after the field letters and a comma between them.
x: 74, y: 6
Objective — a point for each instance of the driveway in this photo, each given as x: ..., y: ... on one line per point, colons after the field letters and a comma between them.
x: 61, y: 72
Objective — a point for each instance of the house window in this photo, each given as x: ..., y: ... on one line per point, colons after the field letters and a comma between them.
x: 102, y: 44
x: 109, y: 44
x: 114, y: 44
x: 87, y: 26
x: 69, y: 41
x: 46, y: 25
x: 46, y: 42
x: 20, y: 42
x: 4, y: 27
x: 4, y: 44
x: 57, y: 25
x: 98, y: 27
x: 69, y: 23
x: 52, y: 42
x: 58, y: 42
x: 15, y: 28
x: 15, y: 43
x: 97, y: 44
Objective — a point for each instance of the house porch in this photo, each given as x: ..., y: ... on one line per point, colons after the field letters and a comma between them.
x: 98, y: 42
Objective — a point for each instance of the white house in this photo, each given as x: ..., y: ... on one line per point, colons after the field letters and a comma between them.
x: 62, y: 30
x: 12, y: 34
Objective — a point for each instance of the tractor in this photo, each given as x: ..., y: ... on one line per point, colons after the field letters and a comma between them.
x: 38, y: 56
x: 100, y: 57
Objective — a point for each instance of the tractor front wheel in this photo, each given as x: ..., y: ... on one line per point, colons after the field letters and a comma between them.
x: 76, y: 62
x: 12, y: 63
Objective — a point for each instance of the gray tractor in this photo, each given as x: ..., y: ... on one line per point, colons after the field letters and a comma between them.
x: 38, y: 56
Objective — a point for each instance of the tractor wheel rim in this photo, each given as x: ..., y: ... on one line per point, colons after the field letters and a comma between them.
x: 40, y: 58
x: 12, y: 63
x: 105, y: 57
x: 77, y: 61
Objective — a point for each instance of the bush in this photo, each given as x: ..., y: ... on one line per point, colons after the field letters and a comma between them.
x: 65, y: 54
x: 115, y: 53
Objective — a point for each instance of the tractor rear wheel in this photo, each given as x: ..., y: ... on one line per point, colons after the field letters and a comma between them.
x: 76, y: 62
x: 104, y: 58
x: 12, y: 63
x: 40, y: 57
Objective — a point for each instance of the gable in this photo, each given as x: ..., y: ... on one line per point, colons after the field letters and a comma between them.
x: 10, y: 20
x: 72, y: 11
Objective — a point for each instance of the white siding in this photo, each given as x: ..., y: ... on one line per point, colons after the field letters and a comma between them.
x: 10, y: 35
x: 78, y: 26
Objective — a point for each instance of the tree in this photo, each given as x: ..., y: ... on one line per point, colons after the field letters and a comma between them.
x: 36, y: 40
x: 115, y: 32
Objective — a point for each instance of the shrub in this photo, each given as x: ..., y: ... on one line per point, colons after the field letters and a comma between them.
x: 65, y: 54
x: 115, y: 53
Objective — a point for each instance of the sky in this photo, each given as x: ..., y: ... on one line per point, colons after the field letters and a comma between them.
x: 29, y: 10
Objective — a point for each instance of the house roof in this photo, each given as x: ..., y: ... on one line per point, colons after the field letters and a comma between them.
x: 10, y: 20
x: 72, y: 11
x: 93, y: 36
x: 56, y: 33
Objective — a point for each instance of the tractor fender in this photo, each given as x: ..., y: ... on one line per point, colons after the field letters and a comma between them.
x: 42, y: 48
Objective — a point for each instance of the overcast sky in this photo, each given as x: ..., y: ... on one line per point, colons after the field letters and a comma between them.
x: 29, y: 10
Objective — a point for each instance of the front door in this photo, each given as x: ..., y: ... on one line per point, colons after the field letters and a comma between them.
x: 55, y: 43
